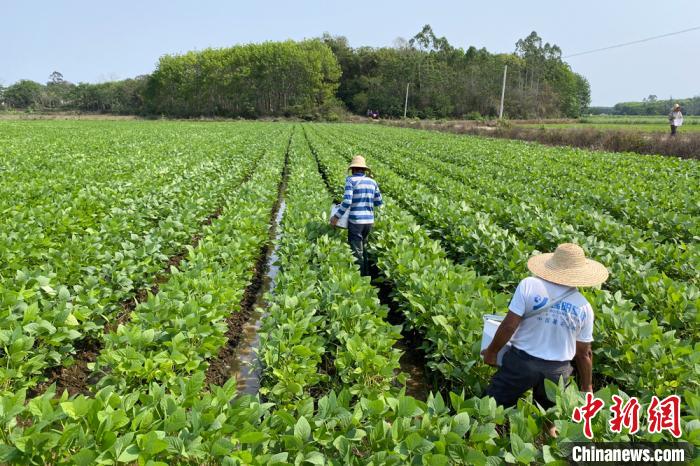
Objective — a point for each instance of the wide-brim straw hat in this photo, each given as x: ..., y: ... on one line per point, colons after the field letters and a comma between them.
x: 676, y: 106
x: 358, y: 162
x: 568, y: 265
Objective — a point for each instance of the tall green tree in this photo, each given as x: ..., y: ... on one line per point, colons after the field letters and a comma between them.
x: 272, y: 78
x: 446, y: 81
x: 23, y: 94
x: 57, y: 92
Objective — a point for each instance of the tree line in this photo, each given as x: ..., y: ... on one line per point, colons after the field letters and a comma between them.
x: 120, y: 97
x: 269, y: 79
x: 321, y: 78
x: 445, y: 81
x: 650, y: 105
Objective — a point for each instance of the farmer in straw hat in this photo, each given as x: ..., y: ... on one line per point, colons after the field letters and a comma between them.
x: 675, y: 118
x: 361, y: 197
x: 544, y: 343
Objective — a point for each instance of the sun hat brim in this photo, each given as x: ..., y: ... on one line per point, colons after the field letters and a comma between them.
x: 358, y: 165
x: 591, y: 273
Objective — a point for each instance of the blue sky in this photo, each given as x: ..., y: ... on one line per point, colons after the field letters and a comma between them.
x: 98, y: 40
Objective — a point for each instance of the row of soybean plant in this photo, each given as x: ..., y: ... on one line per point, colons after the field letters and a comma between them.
x: 493, y: 178
x: 74, y: 287
x: 653, y: 193
x: 673, y: 302
x: 152, y: 403
x: 445, y: 301
x: 622, y: 330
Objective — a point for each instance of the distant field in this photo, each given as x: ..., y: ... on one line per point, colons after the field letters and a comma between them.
x: 651, y: 123
x: 637, y: 120
x: 647, y: 127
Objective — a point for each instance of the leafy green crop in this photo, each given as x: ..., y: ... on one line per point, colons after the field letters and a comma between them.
x: 444, y: 301
x: 326, y: 327
x: 496, y: 252
x: 108, y: 245
x: 331, y: 389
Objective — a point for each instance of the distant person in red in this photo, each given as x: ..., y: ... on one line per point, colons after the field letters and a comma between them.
x: 675, y: 118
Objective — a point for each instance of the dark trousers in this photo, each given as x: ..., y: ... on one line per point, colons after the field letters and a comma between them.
x: 673, y: 130
x: 358, y: 237
x: 520, y: 372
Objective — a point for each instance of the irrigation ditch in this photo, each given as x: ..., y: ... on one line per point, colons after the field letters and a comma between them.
x: 238, y: 358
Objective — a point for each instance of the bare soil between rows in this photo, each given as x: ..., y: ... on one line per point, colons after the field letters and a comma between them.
x: 420, y: 380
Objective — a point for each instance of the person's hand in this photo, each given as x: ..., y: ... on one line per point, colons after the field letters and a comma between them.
x: 334, y: 220
x: 490, y: 357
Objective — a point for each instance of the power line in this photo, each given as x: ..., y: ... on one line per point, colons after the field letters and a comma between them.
x: 633, y: 42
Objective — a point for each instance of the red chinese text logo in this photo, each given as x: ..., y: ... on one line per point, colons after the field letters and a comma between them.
x: 587, y: 412
x: 626, y: 415
x: 661, y: 415
x: 665, y: 415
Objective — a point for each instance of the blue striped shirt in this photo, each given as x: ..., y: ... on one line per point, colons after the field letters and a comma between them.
x: 361, y: 197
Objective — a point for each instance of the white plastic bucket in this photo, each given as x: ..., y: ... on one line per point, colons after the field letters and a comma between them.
x: 342, y: 221
x: 491, y: 323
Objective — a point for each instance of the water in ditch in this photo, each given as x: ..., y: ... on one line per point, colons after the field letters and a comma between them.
x: 246, y: 368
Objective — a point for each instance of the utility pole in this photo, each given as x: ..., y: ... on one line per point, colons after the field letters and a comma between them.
x: 405, y: 104
x: 503, y: 92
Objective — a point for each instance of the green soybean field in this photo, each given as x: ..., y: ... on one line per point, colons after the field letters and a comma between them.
x: 171, y: 292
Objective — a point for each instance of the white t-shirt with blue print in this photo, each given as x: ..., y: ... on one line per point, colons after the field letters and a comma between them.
x: 551, y: 335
